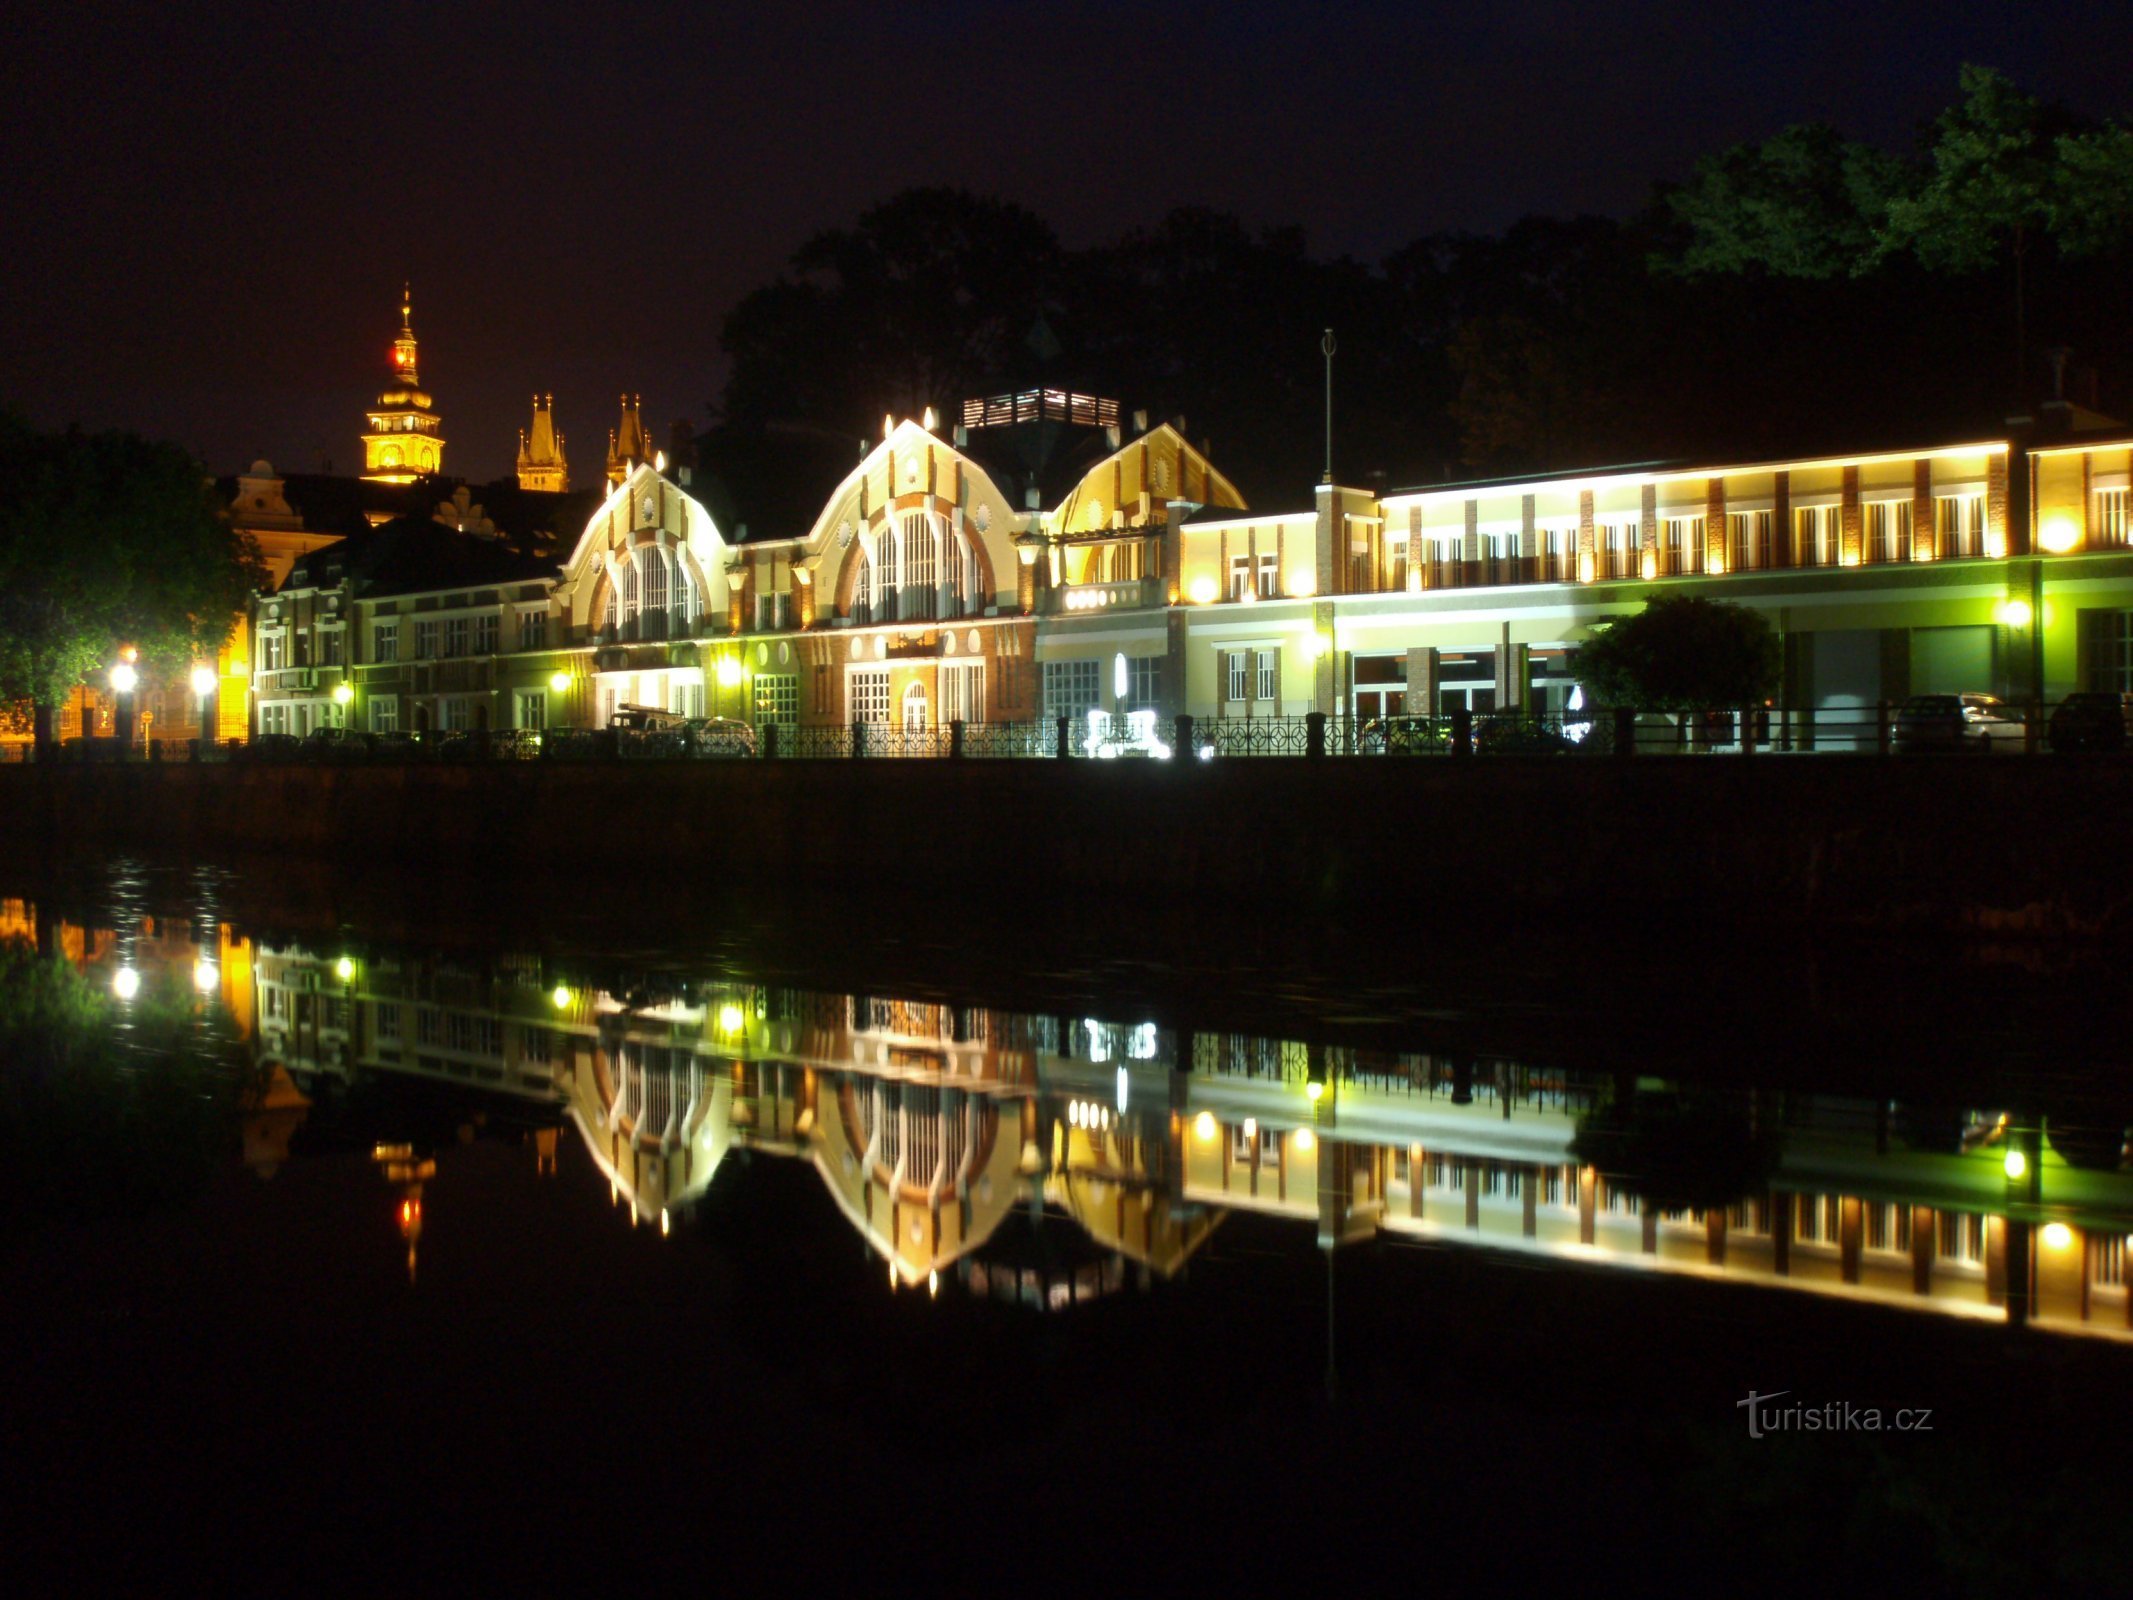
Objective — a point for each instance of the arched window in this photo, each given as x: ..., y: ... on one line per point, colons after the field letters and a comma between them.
x: 915, y: 708
x: 654, y: 561
x: 889, y: 575
x: 685, y: 605
x: 921, y: 596
x: 863, y: 588
x: 629, y: 599
x: 964, y: 597
x: 609, y: 621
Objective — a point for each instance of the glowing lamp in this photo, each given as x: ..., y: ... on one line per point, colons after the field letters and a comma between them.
x: 343, y: 694
x: 933, y: 1279
x: 125, y: 983
x: 204, y: 976
x: 1315, y: 1089
x: 559, y: 681
x: 730, y: 671
x: 1305, y: 1141
x: 1203, y: 591
x: 1302, y: 588
x: 203, y: 681
x: 2016, y: 613
x: 2016, y: 1162
x: 1648, y: 565
x: 560, y: 998
x: 1203, y: 1127
x: 2057, y: 1236
x: 730, y: 1018
x: 666, y: 1225
x: 2058, y: 535
x: 344, y: 969
x: 1319, y: 644
x: 124, y: 678
x: 659, y: 464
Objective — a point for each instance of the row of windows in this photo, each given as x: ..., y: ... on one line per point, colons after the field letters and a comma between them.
x: 916, y: 570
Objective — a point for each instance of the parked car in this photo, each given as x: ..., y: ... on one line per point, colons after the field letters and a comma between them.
x: 647, y: 719
x: 2093, y: 719
x: 719, y: 736
x: 1980, y: 722
x: 1404, y: 736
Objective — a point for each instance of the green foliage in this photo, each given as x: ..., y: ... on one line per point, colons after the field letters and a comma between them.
x: 1806, y: 203
x: 107, y: 1109
x: 109, y: 539
x: 1682, y: 653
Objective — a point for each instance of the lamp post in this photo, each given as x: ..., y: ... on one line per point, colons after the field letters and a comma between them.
x: 124, y: 680
x: 204, y: 692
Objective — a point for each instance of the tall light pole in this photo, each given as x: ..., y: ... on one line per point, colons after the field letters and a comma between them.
x: 124, y: 680
x: 204, y: 692
x: 1328, y: 347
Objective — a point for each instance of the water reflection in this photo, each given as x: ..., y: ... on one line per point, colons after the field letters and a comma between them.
x: 1051, y: 1160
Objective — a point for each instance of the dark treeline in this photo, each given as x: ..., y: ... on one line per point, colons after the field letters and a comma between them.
x: 1805, y: 292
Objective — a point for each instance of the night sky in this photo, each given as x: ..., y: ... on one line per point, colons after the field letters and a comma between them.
x: 209, y: 209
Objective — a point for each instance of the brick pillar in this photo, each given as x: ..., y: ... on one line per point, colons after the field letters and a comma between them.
x: 1717, y: 557
x: 1325, y: 673
x: 1848, y: 551
x: 1849, y: 1231
x: 1923, y: 1219
x: 1421, y: 681
x: 1586, y: 560
x: 1588, y: 1204
x: 1528, y: 540
x: 1781, y: 521
x: 1998, y: 541
x: 1923, y: 533
x: 2088, y: 491
x: 1174, y: 664
x: 1330, y: 544
x: 1648, y: 534
x: 1172, y: 555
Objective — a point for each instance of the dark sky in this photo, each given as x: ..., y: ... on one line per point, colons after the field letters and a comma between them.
x: 209, y: 209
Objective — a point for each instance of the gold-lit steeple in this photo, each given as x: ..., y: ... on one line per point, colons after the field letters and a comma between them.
x: 404, y: 441
x: 627, y: 446
x: 541, y: 463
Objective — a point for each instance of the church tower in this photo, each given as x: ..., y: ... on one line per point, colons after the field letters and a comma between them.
x: 404, y: 442
x: 541, y: 465
x: 627, y: 445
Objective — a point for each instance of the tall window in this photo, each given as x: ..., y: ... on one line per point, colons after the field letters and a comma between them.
x: 329, y: 647
x: 921, y: 541
x: 2112, y: 658
x: 1558, y: 559
x: 1748, y: 537
x: 1618, y: 546
x: 888, y: 579
x: 1240, y: 576
x: 1396, y: 560
x: 485, y: 631
x: 686, y: 604
x: 1266, y: 669
x: 914, y: 708
x: 631, y: 590
x: 1821, y: 534
x: 1959, y: 522
x: 458, y: 634
x: 870, y: 695
x: 777, y: 698
x: 1888, y: 530
x: 532, y: 630
x: 652, y: 591
x: 1070, y: 688
x: 863, y: 588
x: 533, y: 710
x: 385, y: 641
x: 2109, y: 525
x: 426, y: 640
x: 1269, y: 574
x: 1236, y: 674
x: 1681, y: 546
x: 384, y: 713
x: 963, y: 692
x: 1144, y: 683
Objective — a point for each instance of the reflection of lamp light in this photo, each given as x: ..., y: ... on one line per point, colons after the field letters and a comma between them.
x: 2016, y: 613
x: 203, y: 681
x: 559, y: 681
x: 1305, y: 1141
x: 204, y: 976
x: 344, y: 969
x: 1315, y: 1089
x: 561, y: 998
x: 125, y: 983
x: 343, y: 693
x: 2057, y: 1236
x: 2058, y: 535
x: 730, y: 671
x: 730, y: 1018
x: 2016, y: 1162
x: 1203, y: 1127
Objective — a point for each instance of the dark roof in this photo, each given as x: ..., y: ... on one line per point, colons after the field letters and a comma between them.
x: 529, y: 518
x: 413, y: 555
x: 1051, y: 456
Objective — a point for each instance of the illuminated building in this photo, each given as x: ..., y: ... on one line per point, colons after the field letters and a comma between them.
x: 541, y: 463
x: 404, y: 440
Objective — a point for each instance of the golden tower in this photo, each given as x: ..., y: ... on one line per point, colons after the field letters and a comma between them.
x: 541, y: 464
x: 627, y: 446
x: 403, y: 443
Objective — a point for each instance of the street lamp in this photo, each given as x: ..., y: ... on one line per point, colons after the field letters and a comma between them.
x: 124, y: 680
x: 203, y: 682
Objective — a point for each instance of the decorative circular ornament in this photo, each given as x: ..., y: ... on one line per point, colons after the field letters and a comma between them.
x: 784, y: 652
x: 984, y: 519
x: 858, y: 649
x: 650, y: 508
x: 844, y: 535
x: 881, y: 649
x: 970, y: 641
x: 762, y: 654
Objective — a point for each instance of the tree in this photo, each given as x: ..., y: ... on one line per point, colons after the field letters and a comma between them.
x: 1682, y: 653
x: 108, y: 540
x: 1805, y: 203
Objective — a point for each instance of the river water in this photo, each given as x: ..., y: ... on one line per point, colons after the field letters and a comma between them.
x: 348, y: 1236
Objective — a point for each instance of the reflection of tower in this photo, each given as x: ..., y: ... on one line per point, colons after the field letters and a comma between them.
x: 407, y: 1174
x: 541, y: 464
x: 271, y: 1117
x: 627, y: 445
x: 404, y: 441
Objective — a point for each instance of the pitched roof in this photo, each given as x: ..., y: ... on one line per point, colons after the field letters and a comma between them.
x: 414, y: 555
